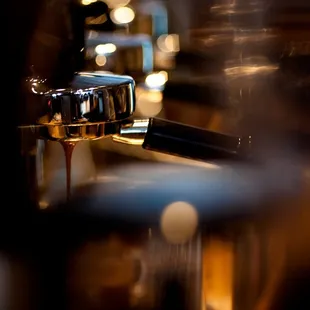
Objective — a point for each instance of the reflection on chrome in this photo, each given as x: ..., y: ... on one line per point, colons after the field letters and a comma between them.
x: 132, y: 133
x: 82, y: 110
x: 127, y: 140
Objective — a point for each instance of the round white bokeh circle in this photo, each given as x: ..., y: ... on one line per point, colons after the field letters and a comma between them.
x: 179, y: 221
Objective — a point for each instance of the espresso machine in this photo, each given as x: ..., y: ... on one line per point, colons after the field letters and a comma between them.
x: 144, y: 235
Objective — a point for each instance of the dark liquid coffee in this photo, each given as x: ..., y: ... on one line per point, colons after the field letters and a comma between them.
x: 68, y: 147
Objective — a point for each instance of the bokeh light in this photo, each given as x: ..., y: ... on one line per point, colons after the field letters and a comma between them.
x: 179, y: 222
x: 156, y: 80
x: 104, y: 49
x: 168, y: 43
x: 122, y: 15
x: 87, y: 2
x: 101, y: 60
x: 149, y: 103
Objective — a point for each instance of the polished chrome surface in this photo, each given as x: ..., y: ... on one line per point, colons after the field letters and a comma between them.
x: 132, y: 133
x: 82, y: 110
x: 72, y: 132
x: 91, y: 97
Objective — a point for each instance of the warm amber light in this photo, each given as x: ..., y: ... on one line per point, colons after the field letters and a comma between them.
x: 168, y: 43
x: 149, y: 103
x: 87, y: 2
x: 218, y: 260
x: 43, y: 204
x: 249, y: 70
x: 122, y: 15
x: 156, y: 80
x: 101, y: 60
x: 103, y: 49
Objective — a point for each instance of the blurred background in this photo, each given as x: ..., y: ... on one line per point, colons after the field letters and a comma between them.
x: 148, y: 230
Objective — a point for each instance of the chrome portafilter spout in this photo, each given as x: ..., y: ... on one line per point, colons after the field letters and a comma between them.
x: 102, y: 105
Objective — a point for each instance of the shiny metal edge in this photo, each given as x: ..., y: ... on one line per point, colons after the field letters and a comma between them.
x: 132, y: 133
x: 70, y: 133
x: 91, y: 98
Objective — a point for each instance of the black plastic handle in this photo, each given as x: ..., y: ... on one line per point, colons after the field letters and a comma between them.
x: 186, y: 141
